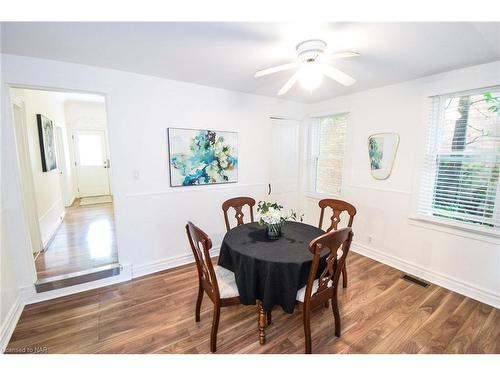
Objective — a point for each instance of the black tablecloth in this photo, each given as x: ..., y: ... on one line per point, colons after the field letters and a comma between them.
x: 269, y: 270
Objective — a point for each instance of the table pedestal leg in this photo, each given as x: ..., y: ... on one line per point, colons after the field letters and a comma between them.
x: 262, y: 323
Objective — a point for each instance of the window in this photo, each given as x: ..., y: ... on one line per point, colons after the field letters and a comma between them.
x: 89, y: 150
x: 460, y: 181
x: 327, y: 144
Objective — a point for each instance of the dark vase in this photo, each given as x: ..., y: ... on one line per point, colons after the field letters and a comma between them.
x: 273, y: 231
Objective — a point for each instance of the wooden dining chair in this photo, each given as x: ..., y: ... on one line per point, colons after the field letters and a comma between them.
x: 238, y: 203
x: 338, y: 207
x: 320, y: 291
x: 217, y: 282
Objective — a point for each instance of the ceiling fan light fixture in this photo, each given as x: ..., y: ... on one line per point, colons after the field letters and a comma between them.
x: 310, y: 77
x: 312, y: 66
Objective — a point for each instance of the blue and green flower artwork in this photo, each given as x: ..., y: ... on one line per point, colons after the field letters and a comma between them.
x: 202, y: 157
x: 382, y: 149
x: 375, y: 151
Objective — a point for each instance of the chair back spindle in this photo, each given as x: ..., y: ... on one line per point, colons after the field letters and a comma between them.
x: 237, y: 204
x: 338, y: 207
x: 338, y: 243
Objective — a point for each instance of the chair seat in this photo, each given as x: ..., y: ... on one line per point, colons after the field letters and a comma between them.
x: 302, y: 291
x: 226, y: 282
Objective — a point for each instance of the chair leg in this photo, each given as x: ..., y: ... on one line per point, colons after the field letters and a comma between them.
x: 307, y: 329
x: 269, y: 318
x: 326, y: 304
x: 198, y: 303
x: 336, y: 314
x: 344, y: 275
x: 215, y: 327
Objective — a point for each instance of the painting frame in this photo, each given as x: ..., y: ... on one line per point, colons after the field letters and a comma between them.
x: 382, y: 161
x: 46, y: 138
x: 172, y: 151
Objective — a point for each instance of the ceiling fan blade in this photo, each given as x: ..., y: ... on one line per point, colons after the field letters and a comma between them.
x: 339, y: 55
x: 276, y: 69
x: 288, y: 85
x: 337, y: 75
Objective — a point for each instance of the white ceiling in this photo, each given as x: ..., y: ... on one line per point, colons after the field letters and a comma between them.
x: 226, y: 55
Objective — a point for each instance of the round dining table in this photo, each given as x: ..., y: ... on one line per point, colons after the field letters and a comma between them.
x: 269, y: 272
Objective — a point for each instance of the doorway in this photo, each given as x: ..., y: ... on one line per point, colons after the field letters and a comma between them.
x: 91, y: 163
x: 74, y: 241
x: 284, y: 165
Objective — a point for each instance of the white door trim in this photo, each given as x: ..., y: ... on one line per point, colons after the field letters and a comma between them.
x: 26, y: 176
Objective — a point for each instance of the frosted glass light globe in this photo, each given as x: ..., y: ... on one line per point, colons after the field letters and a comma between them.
x: 310, y: 77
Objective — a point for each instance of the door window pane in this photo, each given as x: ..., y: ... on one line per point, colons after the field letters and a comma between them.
x: 90, y: 150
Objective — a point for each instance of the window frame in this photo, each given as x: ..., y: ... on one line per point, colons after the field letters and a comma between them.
x: 448, y: 225
x: 312, y: 162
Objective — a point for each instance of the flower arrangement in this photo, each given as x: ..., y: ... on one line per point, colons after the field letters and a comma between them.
x: 271, y: 215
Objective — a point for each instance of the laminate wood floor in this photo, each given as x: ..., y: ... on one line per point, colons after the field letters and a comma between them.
x: 380, y: 312
x: 84, y: 240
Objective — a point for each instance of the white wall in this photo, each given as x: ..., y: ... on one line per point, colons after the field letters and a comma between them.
x: 9, y: 288
x: 47, y: 185
x: 468, y: 264
x: 150, y: 216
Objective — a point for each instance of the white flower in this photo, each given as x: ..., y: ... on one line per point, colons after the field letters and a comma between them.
x: 272, y: 216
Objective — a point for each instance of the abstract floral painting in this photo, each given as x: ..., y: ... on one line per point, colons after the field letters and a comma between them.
x: 382, y: 148
x: 376, y: 151
x: 202, y: 157
x: 47, y: 143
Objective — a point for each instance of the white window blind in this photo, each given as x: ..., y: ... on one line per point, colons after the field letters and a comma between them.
x: 327, y: 146
x: 460, y: 182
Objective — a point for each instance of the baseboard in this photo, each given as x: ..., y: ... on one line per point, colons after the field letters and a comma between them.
x: 165, y: 264
x: 10, y: 323
x: 53, y: 230
x: 486, y: 296
x: 72, y: 200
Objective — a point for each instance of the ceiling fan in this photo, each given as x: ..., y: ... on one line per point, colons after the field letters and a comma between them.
x: 313, y: 65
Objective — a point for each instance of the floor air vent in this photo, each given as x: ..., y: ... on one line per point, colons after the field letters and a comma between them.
x: 414, y: 280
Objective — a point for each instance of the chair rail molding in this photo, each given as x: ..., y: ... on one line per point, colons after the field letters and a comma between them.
x: 190, y: 189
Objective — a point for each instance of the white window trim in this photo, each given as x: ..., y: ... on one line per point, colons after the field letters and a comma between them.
x: 318, y: 196
x: 442, y: 225
x: 455, y: 228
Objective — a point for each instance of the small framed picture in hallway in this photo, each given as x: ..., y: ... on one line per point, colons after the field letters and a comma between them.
x: 47, y: 143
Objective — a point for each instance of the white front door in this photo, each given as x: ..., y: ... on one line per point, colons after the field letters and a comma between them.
x: 284, y: 160
x: 91, y: 162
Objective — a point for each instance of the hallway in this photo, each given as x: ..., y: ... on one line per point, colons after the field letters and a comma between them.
x: 85, y: 240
